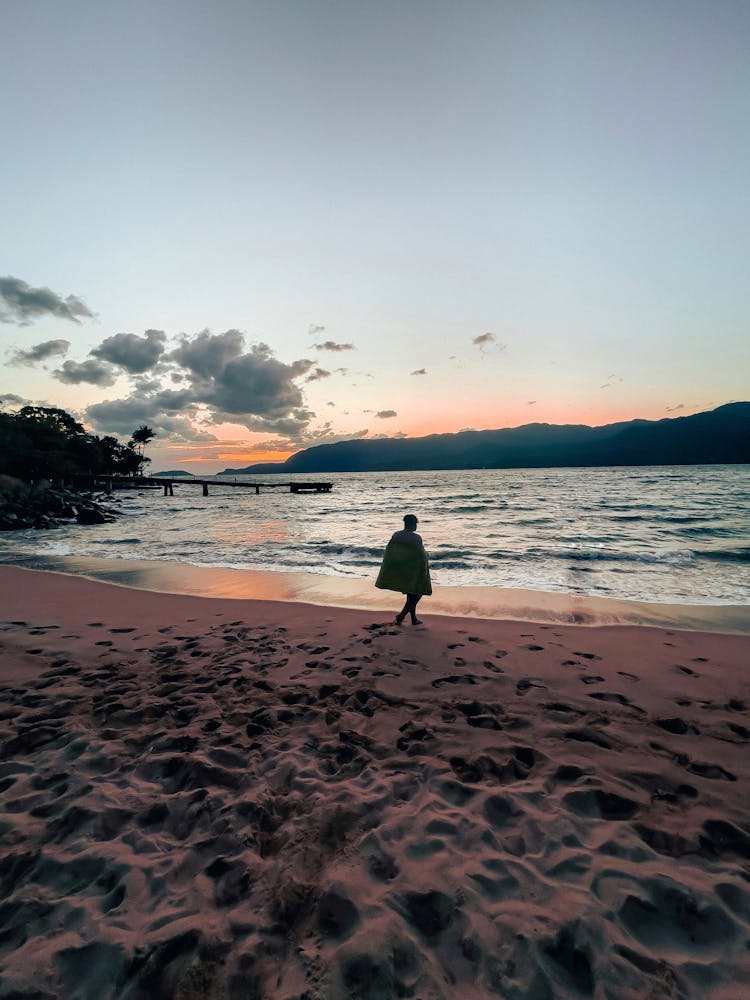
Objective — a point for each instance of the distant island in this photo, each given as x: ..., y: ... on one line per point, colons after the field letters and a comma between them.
x: 720, y: 436
x: 172, y: 472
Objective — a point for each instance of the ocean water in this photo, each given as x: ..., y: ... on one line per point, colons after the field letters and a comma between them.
x: 667, y: 535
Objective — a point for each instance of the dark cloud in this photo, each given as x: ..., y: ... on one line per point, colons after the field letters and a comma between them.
x: 21, y: 304
x: 678, y: 406
x: 330, y: 403
x: 93, y: 372
x: 386, y: 414
x: 122, y: 416
x: 250, y: 387
x: 330, y: 345
x: 11, y: 399
x: 40, y: 352
x: 144, y: 386
x: 419, y: 371
x: 531, y: 402
x: 133, y: 353
x: 207, y: 354
x: 315, y: 329
x: 256, y: 384
x: 318, y: 374
x: 217, y: 380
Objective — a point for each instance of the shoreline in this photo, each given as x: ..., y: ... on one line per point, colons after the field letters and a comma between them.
x: 489, y: 603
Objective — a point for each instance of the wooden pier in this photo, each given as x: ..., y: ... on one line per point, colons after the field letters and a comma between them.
x: 154, y: 482
x: 205, y: 483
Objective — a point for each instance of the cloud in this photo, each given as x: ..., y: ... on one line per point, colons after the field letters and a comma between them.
x: 251, y: 386
x: 330, y: 345
x: 122, y: 416
x: 386, y: 414
x: 40, y: 352
x: 326, y: 435
x: 486, y: 340
x: 330, y: 403
x: 93, y: 372
x: 315, y: 329
x: 207, y: 354
x: 531, y: 402
x: 419, y: 371
x: 133, y: 353
x: 611, y: 380
x: 215, y: 379
x: 144, y: 386
x: 21, y: 304
x: 318, y: 374
x: 11, y: 399
x: 340, y: 371
x: 671, y: 409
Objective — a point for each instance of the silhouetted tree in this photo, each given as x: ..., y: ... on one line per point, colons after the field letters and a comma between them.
x: 42, y: 442
x: 140, y: 438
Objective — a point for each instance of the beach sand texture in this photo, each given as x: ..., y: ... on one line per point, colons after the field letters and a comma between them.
x: 219, y: 798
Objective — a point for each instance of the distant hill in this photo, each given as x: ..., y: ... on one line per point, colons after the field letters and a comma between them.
x: 172, y: 472
x: 714, y: 437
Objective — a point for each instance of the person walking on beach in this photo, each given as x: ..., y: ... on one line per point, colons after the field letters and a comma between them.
x: 405, y: 569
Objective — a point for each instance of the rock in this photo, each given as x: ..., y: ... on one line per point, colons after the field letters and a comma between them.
x: 90, y: 515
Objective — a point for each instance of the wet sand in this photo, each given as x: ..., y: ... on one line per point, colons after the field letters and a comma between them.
x: 230, y: 798
x: 463, y: 602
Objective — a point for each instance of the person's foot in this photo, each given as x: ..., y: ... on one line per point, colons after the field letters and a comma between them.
x: 416, y: 621
x: 399, y: 620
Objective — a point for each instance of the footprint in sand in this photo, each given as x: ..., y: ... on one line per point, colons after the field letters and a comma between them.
x: 676, y: 726
x: 619, y: 699
x: 526, y: 683
x: 493, y: 667
x: 735, y: 705
x: 455, y: 679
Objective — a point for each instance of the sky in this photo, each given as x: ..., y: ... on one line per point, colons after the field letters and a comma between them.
x: 258, y: 226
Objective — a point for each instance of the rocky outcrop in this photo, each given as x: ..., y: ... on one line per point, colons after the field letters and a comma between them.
x: 46, y: 506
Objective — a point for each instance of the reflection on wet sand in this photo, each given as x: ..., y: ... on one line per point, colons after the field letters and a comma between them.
x: 329, y: 591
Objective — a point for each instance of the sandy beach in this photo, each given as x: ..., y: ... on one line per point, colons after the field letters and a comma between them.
x: 228, y: 798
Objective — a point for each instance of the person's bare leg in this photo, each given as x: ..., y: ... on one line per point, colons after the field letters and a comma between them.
x: 403, y: 612
x: 412, y: 601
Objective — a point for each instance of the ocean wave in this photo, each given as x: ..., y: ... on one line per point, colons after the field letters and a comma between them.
x: 608, y: 555
x: 116, y: 541
x: 740, y: 555
x: 713, y: 531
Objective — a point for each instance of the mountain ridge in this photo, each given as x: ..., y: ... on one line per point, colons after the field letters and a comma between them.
x: 719, y: 436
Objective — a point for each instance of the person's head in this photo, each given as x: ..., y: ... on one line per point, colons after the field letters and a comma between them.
x: 410, y: 522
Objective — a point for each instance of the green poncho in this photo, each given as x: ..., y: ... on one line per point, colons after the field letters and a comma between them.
x: 404, y: 568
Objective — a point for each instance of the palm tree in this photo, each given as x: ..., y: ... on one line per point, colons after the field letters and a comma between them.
x: 141, y: 438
